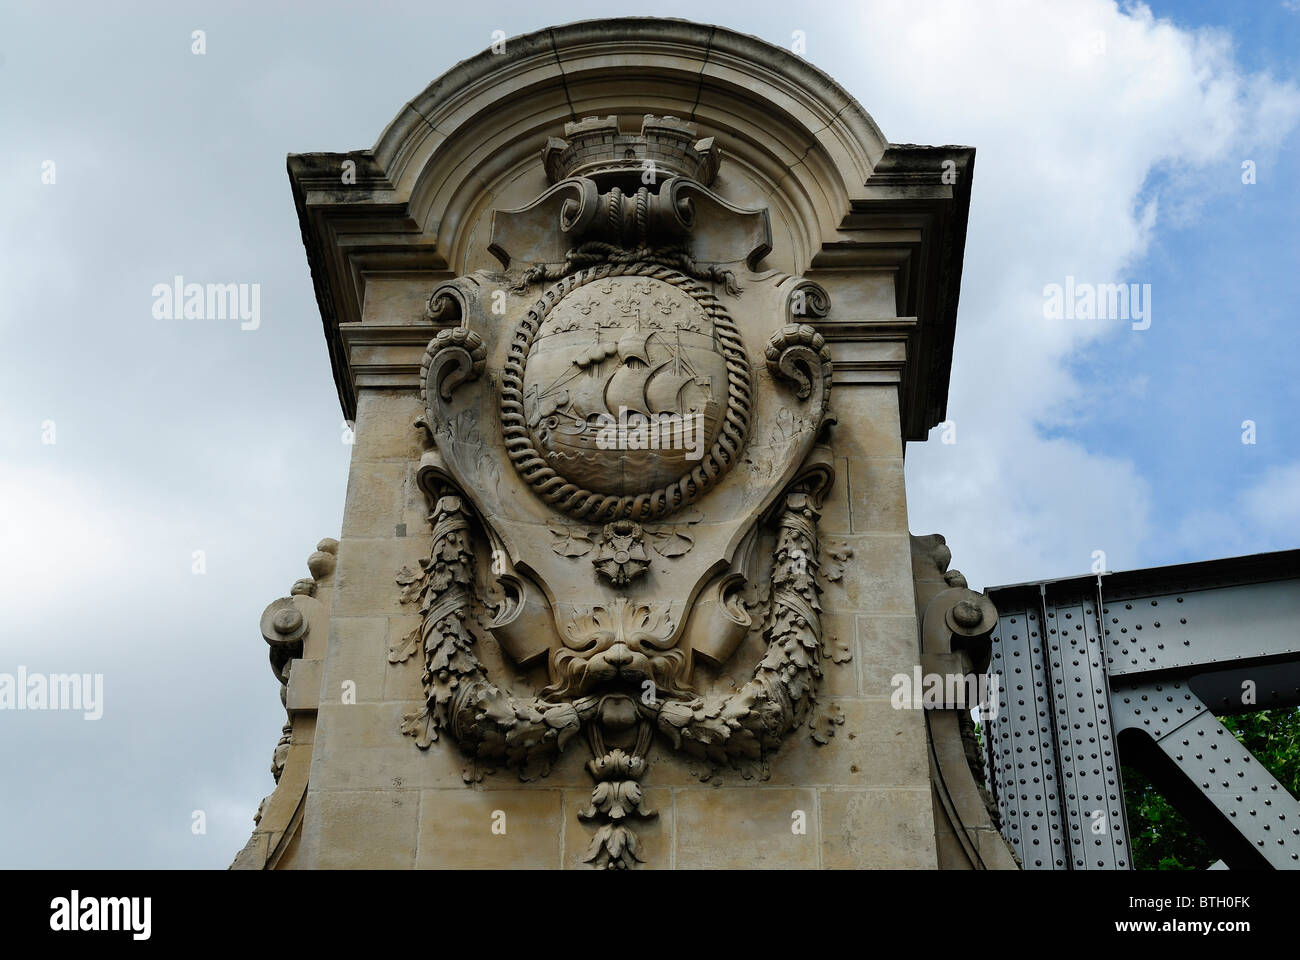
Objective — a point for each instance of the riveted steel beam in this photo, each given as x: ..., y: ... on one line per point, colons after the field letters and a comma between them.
x: 1141, y: 662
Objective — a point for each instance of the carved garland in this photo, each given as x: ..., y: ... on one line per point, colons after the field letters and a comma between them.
x: 527, y: 733
x: 488, y: 723
x: 585, y: 504
x: 743, y: 727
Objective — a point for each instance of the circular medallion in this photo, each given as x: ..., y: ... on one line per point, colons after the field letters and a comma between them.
x: 626, y: 392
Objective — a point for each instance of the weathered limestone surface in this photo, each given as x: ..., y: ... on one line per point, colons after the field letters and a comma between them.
x: 539, y: 651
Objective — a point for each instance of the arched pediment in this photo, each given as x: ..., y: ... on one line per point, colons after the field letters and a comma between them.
x: 791, y: 141
x: 790, y: 133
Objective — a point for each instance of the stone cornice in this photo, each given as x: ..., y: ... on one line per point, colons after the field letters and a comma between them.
x: 868, y: 351
x: 387, y: 355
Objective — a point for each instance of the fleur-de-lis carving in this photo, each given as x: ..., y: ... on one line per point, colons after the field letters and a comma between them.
x: 628, y: 306
x: 666, y: 305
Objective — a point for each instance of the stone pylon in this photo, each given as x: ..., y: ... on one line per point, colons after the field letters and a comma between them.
x: 634, y: 319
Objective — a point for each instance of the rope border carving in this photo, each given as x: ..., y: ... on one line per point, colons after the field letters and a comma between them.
x: 553, y: 488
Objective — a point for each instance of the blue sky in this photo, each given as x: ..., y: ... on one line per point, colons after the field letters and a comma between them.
x: 1109, y: 161
x: 1222, y: 348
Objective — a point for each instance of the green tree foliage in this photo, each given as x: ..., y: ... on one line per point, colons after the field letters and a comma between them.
x: 1162, y: 839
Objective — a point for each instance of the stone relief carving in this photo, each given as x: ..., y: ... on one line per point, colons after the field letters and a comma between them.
x: 622, y: 556
x: 624, y: 543
x: 284, y: 626
x: 666, y: 539
x: 567, y: 396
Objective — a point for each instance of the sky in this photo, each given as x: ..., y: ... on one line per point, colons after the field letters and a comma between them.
x: 162, y: 480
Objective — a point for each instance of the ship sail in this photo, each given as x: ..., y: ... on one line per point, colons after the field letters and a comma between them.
x: 626, y: 388
x: 633, y: 345
x: 664, y: 391
x: 588, y: 396
x: 670, y: 379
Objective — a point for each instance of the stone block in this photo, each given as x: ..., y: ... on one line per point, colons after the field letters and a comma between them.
x: 745, y: 828
x: 867, y: 421
x: 877, y: 495
x: 365, y: 582
x: 485, y: 829
x: 303, y: 693
x: 385, y: 425
x: 877, y: 829
x: 877, y: 578
x: 876, y: 745
x: 360, y: 745
x: 887, y: 645
x: 358, y: 654
x: 376, y: 498
x: 363, y: 829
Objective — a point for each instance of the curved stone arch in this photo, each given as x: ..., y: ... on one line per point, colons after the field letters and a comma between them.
x: 786, y: 125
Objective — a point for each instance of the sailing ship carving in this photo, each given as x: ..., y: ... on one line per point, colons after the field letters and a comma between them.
x: 577, y: 382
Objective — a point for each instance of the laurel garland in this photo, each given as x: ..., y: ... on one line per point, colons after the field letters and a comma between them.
x: 524, y: 733
x: 743, y: 728
x: 528, y: 733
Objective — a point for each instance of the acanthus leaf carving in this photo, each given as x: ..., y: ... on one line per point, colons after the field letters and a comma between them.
x: 570, y: 541
x: 838, y: 556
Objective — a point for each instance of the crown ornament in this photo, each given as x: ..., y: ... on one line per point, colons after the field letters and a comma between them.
x: 595, y: 148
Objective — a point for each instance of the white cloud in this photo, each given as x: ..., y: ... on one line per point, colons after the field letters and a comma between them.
x: 1263, y: 516
x: 1072, y: 106
x: 54, y: 533
x: 1274, y: 502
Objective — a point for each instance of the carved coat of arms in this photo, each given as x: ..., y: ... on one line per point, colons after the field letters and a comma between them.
x: 625, y: 478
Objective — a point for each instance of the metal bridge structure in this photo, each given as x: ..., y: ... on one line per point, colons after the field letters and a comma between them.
x: 1135, y: 668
